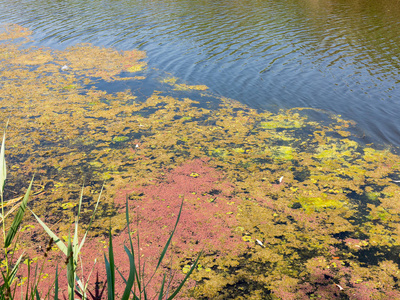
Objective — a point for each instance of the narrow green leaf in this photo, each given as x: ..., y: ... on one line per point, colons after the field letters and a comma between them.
x: 131, y: 279
x: 109, y: 279
x: 112, y: 263
x: 56, y: 285
x: 126, y: 282
x: 29, y: 278
x: 170, y: 238
x: 3, y: 168
x: 186, y: 277
x: 70, y: 270
x: 110, y: 268
x: 37, y: 294
x: 15, y: 269
x: 160, y: 296
x: 75, y: 244
x: 75, y: 247
x: 130, y: 241
x: 91, y: 220
x: 144, y: 286
x: 58, y: 242
x: 18, y: 218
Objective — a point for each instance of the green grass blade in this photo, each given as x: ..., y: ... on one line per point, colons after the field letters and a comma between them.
x: 110, y: 269
x: 75, y: 244
x: 186, y: 277
x: 58, y: 242
x: 160, y: 296
x: 18, y: 218
x: 126, y: 282
x: 91, y: 220
x: 29, y: 278
x: 37, y: 294
x: 75, y: 247
x: 112, y: 263
x: 80, y: 201
x: 130, y: 241
x: 170, y: 238
x: 70, y: 271
x: 56, y: 285
x: 15, y: 269
x: 131, y: 279
x: 3, y: 168
x: 109, y: 283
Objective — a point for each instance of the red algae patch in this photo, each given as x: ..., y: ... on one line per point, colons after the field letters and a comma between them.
x: 207, y: 222
x: 209, y: 209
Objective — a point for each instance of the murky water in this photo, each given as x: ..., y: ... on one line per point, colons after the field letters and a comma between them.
x: 310, y: 212
x: 340, y: 56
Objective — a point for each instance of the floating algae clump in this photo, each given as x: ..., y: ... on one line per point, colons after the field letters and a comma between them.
x: 312, y: 208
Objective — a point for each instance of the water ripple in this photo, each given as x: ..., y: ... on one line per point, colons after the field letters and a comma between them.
x: 335, y: 55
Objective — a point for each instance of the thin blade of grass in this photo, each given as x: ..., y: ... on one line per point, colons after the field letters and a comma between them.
x: 144, y: 286
x: 56, y: 285
x: 15, y: 269
x: 110, y: 268
x: 18, y: 218
x: 131, y: 278
x: 160, y: 296
x: 186, y: 278
x: 91, y: 220
x: 130, y: 241
x: 75, y: 245
x: 29, y: 277
x: 70, y: 270
x: 37, y: 294
x: 58, y: 242
x: 75, y: 241
x: 170, y: 238
x: 34, y: 285
x: 3, y: 168
x: 125, y: 281
x: 110, y: 292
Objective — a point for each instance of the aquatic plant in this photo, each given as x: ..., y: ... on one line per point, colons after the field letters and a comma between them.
x: 313, y: 208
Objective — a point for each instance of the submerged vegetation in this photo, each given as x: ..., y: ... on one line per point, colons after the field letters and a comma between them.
x: 285, y: 206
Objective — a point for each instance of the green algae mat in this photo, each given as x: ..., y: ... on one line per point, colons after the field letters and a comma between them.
x: 285, y: 205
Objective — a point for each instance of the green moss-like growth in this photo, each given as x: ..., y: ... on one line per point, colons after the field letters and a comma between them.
x: 316, y: 209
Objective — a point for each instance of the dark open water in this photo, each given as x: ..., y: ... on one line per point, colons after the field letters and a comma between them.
x: 342, y: 56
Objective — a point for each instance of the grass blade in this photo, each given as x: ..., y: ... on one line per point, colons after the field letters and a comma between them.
x: 75, y: 244
x: 91, y: 220
x: 56, y: 285
x: 186, y: 277
x: 110, y: 269
x: 170, y: 238
x: 131, y: 279
x: 37, y: 294
x: 131, y: 243
x: 109, y: 285
x: 126, y: 282
x: 15, y: 269
x: 70, y: 270
x: 160, y: 296
x: 18, y: 218
x: 58, y: 242
x: 3, y: 168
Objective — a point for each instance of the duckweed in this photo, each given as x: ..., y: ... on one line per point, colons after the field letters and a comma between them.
x: 336, y: 197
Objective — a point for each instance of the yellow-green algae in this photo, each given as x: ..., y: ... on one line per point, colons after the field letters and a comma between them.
x: 317, y: 203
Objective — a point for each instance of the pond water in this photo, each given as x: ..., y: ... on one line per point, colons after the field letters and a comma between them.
x: 287, y: 205
x: 339, y: 56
